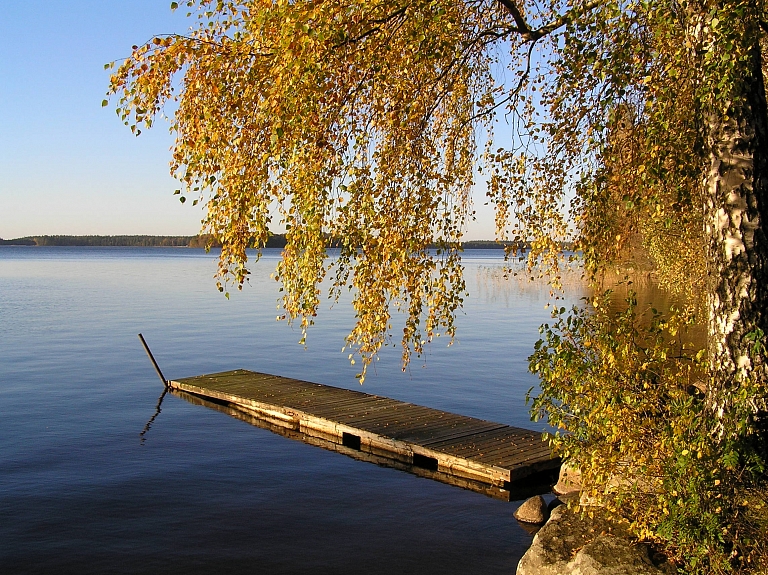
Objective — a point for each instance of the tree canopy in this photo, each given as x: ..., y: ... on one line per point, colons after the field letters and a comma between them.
x: 368, y: 122
x: 598, y: 121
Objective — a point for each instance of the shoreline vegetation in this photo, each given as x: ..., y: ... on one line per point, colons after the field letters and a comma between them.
x: 275, y: 241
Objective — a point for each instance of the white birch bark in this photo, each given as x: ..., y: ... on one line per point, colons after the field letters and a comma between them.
x: 736, y: 209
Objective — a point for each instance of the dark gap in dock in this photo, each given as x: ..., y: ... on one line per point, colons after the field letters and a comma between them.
x: 536, y: 483
x: 350, y: 440
x: 424, y: 462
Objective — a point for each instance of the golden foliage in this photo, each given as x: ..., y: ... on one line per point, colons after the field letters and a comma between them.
x: 340, y: 119
x: 365, y: 123
x: 360, y: 122
x: 624, y: 390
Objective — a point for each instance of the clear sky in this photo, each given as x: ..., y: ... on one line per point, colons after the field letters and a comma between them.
x: 67, y: 165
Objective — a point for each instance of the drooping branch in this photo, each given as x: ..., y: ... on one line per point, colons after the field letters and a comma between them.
x: 378, y: 23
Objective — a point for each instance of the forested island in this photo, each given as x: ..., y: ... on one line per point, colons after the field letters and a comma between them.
x: 143, y: 241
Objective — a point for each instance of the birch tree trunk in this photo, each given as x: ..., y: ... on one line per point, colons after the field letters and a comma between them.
x: 736, y: 209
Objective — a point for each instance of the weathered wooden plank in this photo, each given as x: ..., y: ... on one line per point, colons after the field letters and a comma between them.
x: 451, y: 420
x: 513, y: 443
x: 511, y: 458
x: 465, y: 448
x: 426, y: 437
x: 409, y: 416
x: 501, y: 438
x: 346, y: 405
x: 382, y: 418
x: 488, y: 438
x: 296, y: 399
x: 303, y: 396
x: 505, y: 459
x: 351, y: 406
x: 429, y: 429
x: 269, y: 387
x: 462, y: 434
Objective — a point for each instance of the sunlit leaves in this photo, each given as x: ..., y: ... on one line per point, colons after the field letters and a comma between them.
x: 347, y: 123
x: 627, y: 389
x: 284, y: 109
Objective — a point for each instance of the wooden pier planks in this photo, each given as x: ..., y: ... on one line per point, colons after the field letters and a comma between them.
x: 444, y: 443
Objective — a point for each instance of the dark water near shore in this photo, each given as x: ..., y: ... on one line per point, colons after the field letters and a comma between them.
x: 205, y: 493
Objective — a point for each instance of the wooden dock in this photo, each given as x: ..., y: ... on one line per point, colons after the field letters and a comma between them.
x: 484, y: 456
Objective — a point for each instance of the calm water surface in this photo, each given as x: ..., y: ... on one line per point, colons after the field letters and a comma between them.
x: 205, y: 493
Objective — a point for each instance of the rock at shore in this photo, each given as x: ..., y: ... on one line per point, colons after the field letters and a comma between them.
x: 569, y: 480
x: 533, y: 511
x: 573, y: 545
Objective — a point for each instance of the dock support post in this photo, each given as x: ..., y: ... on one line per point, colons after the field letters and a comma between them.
x: 152, y: 359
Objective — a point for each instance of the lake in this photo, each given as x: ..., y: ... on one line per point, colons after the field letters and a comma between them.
x: 81, y: 492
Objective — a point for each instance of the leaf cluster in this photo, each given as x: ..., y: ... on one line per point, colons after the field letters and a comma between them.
x: 624, y: 390
x: 339, y: 119
x: 368, y: 122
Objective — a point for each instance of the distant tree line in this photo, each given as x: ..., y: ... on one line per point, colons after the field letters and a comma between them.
x: 274, y: 241
x: 17, y: 242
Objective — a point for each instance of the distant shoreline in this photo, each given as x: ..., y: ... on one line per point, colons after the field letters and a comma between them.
x: 145, y: 241
x: 140, y: 241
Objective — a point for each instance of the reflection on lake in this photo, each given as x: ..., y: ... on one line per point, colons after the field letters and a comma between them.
x: 649, y: 297
x: 535, y: 485
x: 82, y: 491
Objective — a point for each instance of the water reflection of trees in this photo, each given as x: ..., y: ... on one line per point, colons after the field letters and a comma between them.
x: 506, y: 284
x: 649, y: 296
x: 503, y: 284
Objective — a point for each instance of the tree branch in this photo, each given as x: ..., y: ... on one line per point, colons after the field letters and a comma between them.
x: 375, y: 29
x: 517, y: 16
x: 531, y: 35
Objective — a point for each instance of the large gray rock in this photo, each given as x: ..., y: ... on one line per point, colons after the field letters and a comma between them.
x: 571, y: 545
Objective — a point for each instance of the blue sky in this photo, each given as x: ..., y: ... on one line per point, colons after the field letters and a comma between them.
x: 67, y: 165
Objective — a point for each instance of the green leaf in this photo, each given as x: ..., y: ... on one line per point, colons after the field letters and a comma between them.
x: 104, y: 103
x: 174, y: 5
